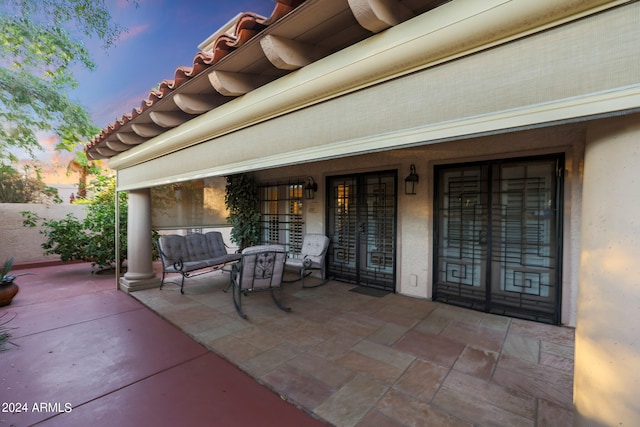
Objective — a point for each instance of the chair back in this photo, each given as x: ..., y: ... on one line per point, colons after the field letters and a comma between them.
x: 262, y: 267
x: 314, y: 247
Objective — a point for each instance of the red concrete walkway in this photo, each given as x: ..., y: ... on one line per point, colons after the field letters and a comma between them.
x: 90, y: 355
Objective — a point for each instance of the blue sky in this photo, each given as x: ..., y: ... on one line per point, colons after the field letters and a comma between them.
x: 163, y: 35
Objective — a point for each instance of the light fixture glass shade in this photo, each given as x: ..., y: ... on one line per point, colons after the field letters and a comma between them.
x: 310, y: 188
x: 411, y: 181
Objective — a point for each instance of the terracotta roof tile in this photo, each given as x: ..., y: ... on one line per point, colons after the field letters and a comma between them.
x: 182, y: 74
x: 246, y: 27
x: 282, y: 8
x: 329, y: 25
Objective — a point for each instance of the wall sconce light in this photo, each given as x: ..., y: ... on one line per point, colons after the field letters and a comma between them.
x: 411, y: 181
x: 310, y: 188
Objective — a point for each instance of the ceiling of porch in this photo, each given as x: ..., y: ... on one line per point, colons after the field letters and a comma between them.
x: 247, y: 53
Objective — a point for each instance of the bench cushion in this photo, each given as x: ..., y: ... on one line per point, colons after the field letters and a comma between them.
x: 174, y: 249
x: 216, y: 244
x: 188, y: 266
x: 195, y: 251
x: 197, y: 247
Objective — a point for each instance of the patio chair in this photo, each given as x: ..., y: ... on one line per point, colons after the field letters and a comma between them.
x: 260, y: 269
x: 313, y: 252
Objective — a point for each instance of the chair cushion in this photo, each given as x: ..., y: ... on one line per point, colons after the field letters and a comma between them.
x: 197, y: 247
x: 300, y: 263
x: 174, y: 248
x: 315, y: 245
x: 262, y: 248
x: 215, y: 244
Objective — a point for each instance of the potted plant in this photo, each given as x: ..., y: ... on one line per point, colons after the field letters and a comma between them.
x: 8, y: 289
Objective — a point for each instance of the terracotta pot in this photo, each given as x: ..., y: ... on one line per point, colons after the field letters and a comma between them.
x: 7, y: 292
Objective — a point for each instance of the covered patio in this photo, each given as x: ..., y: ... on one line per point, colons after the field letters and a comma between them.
x: 341, y: 357
x: 360, y: 359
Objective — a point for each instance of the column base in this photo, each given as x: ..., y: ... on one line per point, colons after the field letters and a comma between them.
x: 132, y: 285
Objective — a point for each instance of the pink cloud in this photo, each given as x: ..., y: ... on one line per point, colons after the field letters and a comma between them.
x: 112, y: 110
x: 49, y: 142
x: 133, y: 32
x: 49, y: 156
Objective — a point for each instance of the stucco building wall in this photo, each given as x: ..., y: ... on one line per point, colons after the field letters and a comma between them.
x: 415, y: 223
x: 607, y: 379
x: 24, y: 243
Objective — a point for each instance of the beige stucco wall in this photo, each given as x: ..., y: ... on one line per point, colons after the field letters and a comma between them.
x: 579, y: 69
x: 415, y: 213
x: 607, y: 378
x: 23, y: 243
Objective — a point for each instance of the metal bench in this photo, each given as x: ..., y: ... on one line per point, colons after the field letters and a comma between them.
x: 193, y: 255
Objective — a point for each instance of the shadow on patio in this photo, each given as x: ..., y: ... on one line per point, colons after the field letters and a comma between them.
x: 354, y: 359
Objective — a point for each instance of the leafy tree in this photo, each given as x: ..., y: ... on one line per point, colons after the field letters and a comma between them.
x: 40, y: 46
x: 94, y: 238
x: 25, y: 187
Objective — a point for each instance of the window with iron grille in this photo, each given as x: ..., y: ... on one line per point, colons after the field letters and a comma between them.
x: 281, y: 209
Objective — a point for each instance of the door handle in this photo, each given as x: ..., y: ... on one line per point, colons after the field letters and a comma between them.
x: 482, y: 236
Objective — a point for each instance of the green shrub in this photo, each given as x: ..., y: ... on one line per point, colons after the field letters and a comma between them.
x: 92, y: 239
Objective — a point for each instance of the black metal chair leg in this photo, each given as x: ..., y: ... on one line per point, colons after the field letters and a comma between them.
x: 237, y: 300
x: 280, y: 302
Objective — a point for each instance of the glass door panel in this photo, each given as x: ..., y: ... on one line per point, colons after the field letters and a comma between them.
x: 504, y: 259
x: 525, y: 246
x: 362, y: 227
x: 343, y: 228
x: 462, y: 231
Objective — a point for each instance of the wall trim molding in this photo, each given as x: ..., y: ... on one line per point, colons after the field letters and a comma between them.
x: 456, y: 29
x: 611, y: 103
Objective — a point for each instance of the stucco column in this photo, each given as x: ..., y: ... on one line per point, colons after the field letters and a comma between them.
x: 140, y: 274
x: 607, y: 378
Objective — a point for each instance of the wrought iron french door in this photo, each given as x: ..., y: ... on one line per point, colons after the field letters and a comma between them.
x: 361, y: 220
x: 498, y: 237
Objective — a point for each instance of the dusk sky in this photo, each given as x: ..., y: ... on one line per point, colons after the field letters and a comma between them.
x: 162, y: 35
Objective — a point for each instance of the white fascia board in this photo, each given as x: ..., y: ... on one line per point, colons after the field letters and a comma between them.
x: 453, y: 30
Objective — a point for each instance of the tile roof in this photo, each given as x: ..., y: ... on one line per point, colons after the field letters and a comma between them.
x: 321, y: 27
x: 247, y: 25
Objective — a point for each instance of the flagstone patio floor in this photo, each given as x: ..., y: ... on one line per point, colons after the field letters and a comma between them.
x: 338, y: 358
